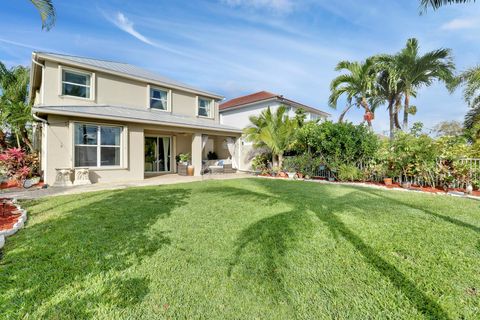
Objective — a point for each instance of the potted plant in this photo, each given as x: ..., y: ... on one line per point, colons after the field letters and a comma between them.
x: 290, y: 167
x: 182, y: 160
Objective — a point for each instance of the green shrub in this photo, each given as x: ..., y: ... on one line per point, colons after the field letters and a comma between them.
x: 337, y: 143
x: 348, y: 172
x: 260, y: 162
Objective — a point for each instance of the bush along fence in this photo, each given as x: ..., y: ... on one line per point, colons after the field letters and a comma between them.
x: 446, y: 174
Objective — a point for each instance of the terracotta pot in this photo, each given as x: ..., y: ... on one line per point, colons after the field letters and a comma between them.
x: 387, y: 181
x: 190, y: 170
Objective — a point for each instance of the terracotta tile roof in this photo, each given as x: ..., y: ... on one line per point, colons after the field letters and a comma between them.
x: 265, y: 95
x: 258, y: 96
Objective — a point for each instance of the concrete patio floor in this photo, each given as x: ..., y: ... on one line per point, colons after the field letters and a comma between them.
x: 150, y: 181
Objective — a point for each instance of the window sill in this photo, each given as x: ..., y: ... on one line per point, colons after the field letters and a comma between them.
x: 205, y: 117
x: 63, y: 96
x: 102, y: 168
x: 159, y: 110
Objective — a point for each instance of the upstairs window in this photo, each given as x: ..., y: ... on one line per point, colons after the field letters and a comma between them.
x: 76, y: 84
x: 314, y: 116
x: 158, y: 99
x: 205, y: 107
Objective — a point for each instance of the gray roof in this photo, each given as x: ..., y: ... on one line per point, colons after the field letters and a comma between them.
x: 138, y: 115
x: 126, y: 69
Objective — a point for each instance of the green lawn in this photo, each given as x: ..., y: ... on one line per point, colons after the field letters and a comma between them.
x: 245, y: 249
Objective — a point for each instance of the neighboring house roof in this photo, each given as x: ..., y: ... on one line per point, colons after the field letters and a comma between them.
x: 125, y: 70
x: 262, y: 96
x: 120, y: 113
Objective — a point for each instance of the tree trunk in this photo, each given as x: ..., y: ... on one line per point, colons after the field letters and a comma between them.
x: 26, y: 139
x: 344, y: 112
x: 364, y: 104
x: 391, y: 116
x: 19, y: 145
x: 405, y: 111
x: 280, y: 160
x: 398, y: 106
x: 3, y: 143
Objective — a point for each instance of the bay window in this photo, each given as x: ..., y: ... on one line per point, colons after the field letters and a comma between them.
x: 97, y: 145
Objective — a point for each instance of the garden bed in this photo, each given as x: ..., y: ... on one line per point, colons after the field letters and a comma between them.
x: 395, y: 185
x: 12, y: 218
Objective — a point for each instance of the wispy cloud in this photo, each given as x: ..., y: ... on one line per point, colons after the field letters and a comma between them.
x: 278, y: 6
x: 457, y: 24
x: 122, y: 22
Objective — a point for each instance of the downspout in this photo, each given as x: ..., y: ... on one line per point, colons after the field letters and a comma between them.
x: 44, y: 144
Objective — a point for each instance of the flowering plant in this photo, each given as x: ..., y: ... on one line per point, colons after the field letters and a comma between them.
x: 17, y: 164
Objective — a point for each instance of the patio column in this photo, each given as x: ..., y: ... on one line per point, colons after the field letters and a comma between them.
x: 197, y: 153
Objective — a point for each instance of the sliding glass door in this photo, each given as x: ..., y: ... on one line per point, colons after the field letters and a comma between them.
x: 158, y: 151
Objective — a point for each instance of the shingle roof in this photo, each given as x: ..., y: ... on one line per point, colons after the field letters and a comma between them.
x: 251, y: 98
x: 262, y: 96
x: 126, y: 69
x: 127, y: 114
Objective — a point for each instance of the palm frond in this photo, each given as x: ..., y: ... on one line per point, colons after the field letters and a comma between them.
x: 47, y: 12
x: 436, y: 4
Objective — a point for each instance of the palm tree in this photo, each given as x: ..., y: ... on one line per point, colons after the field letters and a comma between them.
x: 470, y: 80
x: 357, y: 85
x: 15, y: 112
x: 417, y: 71
x: 47, y: 12
x: 435, y: 4
x: 274, y: 130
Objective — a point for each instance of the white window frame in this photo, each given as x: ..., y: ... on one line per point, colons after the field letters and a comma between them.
x: 210, y: 111
x: 62, y: 69
x: 149, y: 97
x: 123, y: 151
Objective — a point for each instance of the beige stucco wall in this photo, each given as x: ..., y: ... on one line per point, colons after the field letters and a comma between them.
x: 58, y: 141
x: 59, y: 154
x: 115, y: 90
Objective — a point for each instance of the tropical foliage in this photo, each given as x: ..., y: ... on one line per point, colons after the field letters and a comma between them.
x: 17, y: 164
x: 15, y: 112
x: 390, y: 80
x: 274, y: 130
x: 435, y: 4
x: 47, y: 12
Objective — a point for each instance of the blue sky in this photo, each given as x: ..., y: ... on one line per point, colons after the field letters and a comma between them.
x: 236, y: 47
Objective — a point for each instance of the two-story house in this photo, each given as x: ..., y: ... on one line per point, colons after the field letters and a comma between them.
x: 120, y: 121
x: 237, y: 112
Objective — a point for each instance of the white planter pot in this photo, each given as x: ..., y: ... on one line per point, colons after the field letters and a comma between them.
x: 469, y: 189
x: 291, y: 175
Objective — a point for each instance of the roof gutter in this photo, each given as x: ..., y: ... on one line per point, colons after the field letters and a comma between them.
x: 32, y: 74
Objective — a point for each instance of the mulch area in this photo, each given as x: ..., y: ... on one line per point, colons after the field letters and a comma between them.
x: 9, y: 214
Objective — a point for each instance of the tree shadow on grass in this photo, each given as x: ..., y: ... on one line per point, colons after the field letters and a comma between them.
x: 423, y: 304
x: 267, y: 234
x: 89, y: 239
x: 423, y: 209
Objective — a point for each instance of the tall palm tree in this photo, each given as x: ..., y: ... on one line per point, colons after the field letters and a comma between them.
x: 47, y: 12
x: 274, y: 130
x: 357, y: 85
x: 417, y: 71
x: 435, y: 4
x: 15, y: 112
